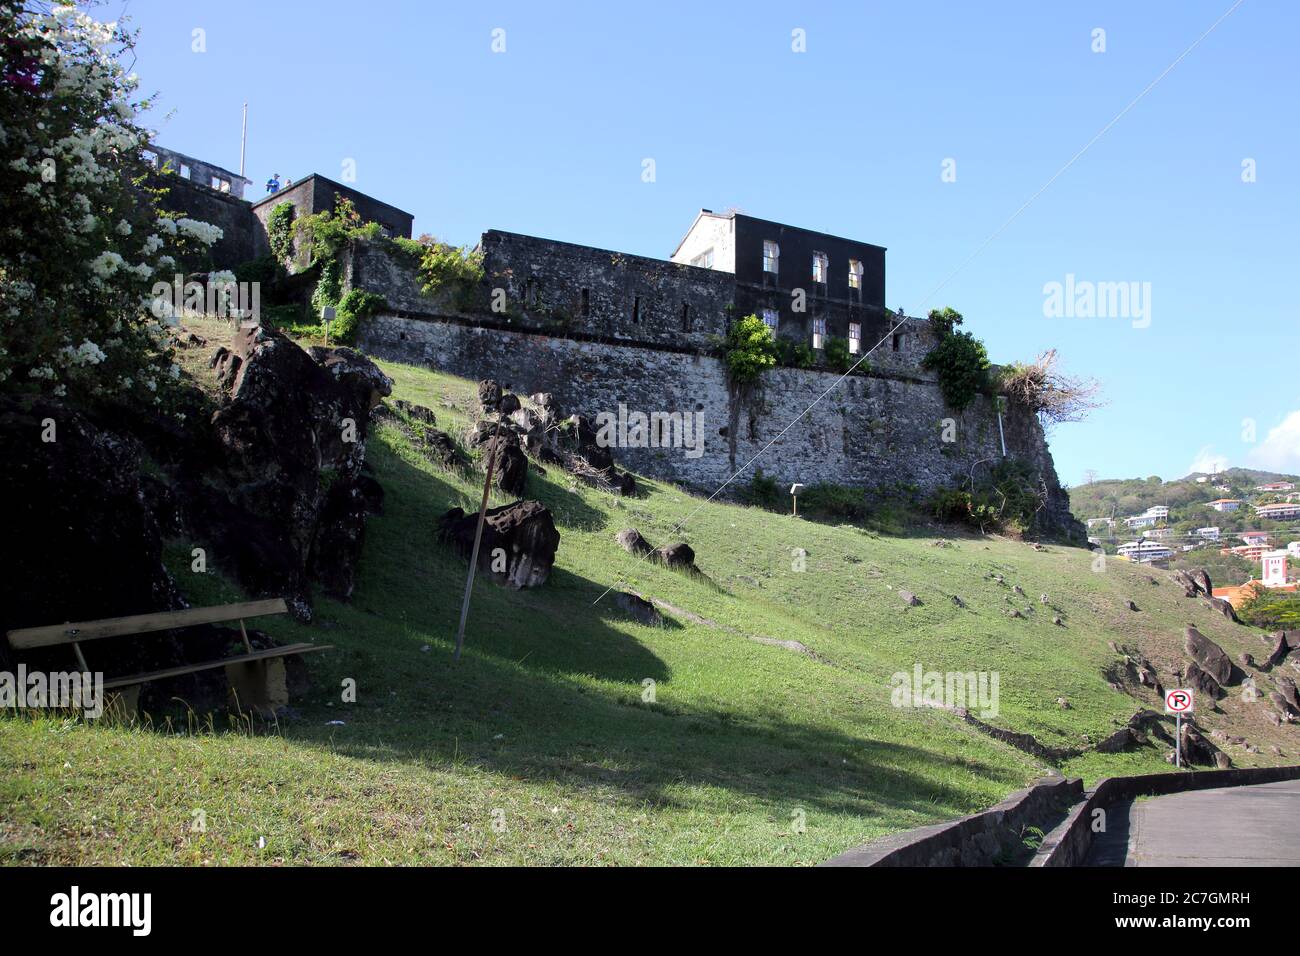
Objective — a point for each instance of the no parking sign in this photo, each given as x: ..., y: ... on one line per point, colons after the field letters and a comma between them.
x: 1179, y: 701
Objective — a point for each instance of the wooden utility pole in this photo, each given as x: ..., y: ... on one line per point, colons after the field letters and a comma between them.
x: 478, y: 539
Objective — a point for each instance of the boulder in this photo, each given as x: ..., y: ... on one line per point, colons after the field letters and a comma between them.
x: 678, y: 556
x: 1283, y: 706
x: 1198, y: 751
x: 522, y: 533
x: 1202, y: 681
x: 1245, y: 659
x: 1117, y: 742
x: 1286, y: 687
x: 1281, y: 648
x: 630, y: 540
x: 293, y: 429
x: 508, y: 405
x: 639, y: 609
x: 1131, y: 606
x: 415, y: 412
x: 910, y: 599
x: 1202, y: 581
x: 1225, y: 608
x: 1208, y: 654
x: 489, y: 395
x: 509, y: 463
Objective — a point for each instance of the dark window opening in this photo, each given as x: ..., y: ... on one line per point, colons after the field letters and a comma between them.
x: 530, y: 292
x: 636, y: 309
x: 686, y: 317
x: 898, y: 341
x: 586, y: 302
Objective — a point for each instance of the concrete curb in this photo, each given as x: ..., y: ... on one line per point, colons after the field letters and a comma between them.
x: 1070, y: 842
x: 975, y: 840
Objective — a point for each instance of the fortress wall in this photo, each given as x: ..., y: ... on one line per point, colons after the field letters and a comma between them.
x: 870, y: 431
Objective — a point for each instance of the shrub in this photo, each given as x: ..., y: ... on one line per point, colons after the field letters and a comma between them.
x: 838, y: 355
x: 352, y: 308
x: 1042, y: 389
x: 446, y: 268
x: 1007, y: 499
x: 834, y: 501
x: 1271, y: 610
x: 86, y: 256
x: 795, y: 354
x: 762, y: 492
x: 962, y: 365
x: 750, y: 349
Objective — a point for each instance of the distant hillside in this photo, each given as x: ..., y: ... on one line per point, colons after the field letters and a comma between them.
x: 1121, y: 497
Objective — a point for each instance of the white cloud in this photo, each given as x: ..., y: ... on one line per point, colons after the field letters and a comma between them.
x: 1280, y: 451
x: 1207, y: 462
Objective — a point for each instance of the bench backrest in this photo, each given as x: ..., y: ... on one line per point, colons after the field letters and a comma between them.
x: 141, y: 623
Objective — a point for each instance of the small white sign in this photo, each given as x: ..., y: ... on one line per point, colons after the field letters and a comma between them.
x: 1181, y: 700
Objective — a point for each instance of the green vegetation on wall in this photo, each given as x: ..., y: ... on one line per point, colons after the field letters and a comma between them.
x: 749, y: 350
x: 279, y: 231
x: 959, y: 359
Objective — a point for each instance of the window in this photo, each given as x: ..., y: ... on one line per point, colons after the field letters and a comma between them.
x: 855, y: 279
x: 771, y: 318
x: 636, y: 309
x: 530, y: 292
x: 686, y: 317
x: 704, y: 260
x: 586, y: 302
x: 898, y: 341
x: 821, y: 266
x: 150, y: 157
x: 771, y: 257
x: 185, y: 171
x: 855, y: 338
x: 220, y: 185
x: 819, y: 332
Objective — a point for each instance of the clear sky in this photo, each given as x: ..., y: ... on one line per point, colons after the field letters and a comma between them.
x: 849, y: 137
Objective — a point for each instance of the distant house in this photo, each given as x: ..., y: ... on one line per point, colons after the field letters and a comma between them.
x: 1281, y: 511
x: 1209, y: 534
x: 1274, y: 577
x: 1255, y: 537
x: 1225, y: 504
x: 1144, y: 552
x: 1160, y: 533
x: 1251, y: 552
x: 1108, y: 522
x: 1148, y: 518
x: 1275, y: 486
x: 1294, y: 548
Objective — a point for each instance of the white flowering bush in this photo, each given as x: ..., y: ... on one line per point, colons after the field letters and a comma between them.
x: 82, y: 241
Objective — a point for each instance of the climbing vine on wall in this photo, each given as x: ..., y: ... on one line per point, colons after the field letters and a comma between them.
x: 959, y: 360
x: 279, y: 230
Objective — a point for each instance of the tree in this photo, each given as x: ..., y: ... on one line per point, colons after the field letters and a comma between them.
x: 750, y: 349
x: 83, y: 245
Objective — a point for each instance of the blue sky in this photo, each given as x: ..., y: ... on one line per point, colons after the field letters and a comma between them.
x: 849, y: 137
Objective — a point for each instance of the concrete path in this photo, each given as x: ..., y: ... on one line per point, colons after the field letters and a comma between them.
x: 1232, y: 826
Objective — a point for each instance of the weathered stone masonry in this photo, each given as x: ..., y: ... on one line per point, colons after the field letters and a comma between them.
x: 874, y: 430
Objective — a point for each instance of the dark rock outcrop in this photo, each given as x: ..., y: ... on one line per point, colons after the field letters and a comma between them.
x: 679, y: 556
x: 1208, y: 655
x: 518, y: 546
x: 630, y: 540
x: 639, y: 609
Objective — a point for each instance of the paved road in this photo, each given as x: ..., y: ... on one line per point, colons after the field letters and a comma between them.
x: 1232, y: 826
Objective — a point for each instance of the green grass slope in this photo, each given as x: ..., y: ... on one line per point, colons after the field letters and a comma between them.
x: 541, y: 746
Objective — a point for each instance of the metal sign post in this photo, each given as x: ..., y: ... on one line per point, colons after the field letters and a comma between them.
x: 1179, y: 701
x: 327, y: 316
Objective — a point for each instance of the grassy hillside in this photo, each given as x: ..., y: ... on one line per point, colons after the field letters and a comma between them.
x: 539, y: 747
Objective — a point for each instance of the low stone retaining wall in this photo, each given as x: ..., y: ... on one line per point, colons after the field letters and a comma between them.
x: 981, y: 839
x: 1070, y: 842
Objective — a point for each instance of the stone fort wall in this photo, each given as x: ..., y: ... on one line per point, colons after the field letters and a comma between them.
x: 875, y: 431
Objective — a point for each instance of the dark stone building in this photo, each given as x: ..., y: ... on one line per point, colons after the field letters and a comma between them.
x: 208, y: 193
x: 316, y: 193
x: 808, y: 286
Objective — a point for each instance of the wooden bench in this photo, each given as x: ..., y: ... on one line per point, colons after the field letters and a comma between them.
x: 257, y: 678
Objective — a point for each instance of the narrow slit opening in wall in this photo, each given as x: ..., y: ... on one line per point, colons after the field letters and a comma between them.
x: 636, y: 309
x: 686, y: 317
x: 898, y: 341
x: 586, y: 302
